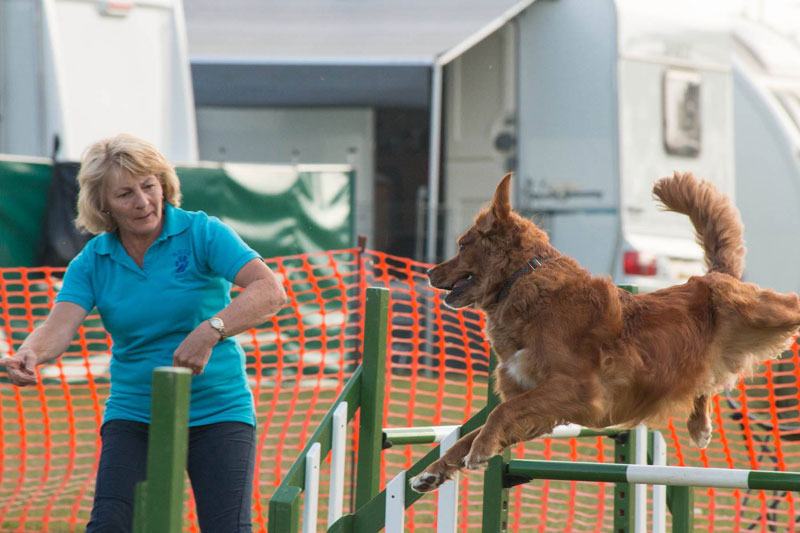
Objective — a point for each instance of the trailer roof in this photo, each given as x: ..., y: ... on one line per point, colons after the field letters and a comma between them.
x: 336, y: 31
x: 331, y: 52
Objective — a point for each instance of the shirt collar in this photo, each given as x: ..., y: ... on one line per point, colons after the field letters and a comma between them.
x: 175, y: 221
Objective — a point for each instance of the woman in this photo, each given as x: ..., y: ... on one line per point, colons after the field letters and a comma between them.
x: 160, y: 278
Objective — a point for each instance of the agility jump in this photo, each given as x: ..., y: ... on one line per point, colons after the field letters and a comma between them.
x: 375, y: 509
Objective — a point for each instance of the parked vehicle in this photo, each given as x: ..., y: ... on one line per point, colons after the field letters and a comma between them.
x: 766, y: 89
x: 609, y: 102
x: 82, y: 70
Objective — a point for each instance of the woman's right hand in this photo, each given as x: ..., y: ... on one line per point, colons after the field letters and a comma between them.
x: 21, y: 367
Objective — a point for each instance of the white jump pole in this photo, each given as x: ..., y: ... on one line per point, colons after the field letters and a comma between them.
x: 640, y: 490
x: 395, y: 511
x: 338, y: 452
x: 659, y: 491
x: 447, y: 503
x: 311, y: 491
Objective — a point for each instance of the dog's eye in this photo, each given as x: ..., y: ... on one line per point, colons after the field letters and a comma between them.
x: 461, y: 247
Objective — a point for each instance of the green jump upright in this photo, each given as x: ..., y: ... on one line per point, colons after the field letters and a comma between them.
x: 624, y: 496
x: 158, y: 502
x: 373, y: 384
x: 364, y: 393
x: 495, y: 492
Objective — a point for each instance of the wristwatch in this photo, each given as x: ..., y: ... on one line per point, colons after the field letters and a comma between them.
x: 217, y: 323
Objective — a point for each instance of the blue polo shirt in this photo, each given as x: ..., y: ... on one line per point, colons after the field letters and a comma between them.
x: 186, y: 278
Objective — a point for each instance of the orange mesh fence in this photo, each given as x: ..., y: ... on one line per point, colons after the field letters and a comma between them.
x: 299, y: 361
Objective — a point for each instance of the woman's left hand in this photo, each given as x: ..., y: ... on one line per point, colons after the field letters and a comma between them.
x: 195, y: 350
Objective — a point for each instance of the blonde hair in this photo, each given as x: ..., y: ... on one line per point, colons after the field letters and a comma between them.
x: 110, y: 157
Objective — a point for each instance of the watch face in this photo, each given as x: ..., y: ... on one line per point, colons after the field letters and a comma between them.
x: 216, y: 322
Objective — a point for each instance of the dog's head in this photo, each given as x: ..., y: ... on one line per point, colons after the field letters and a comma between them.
x: 499, y: 242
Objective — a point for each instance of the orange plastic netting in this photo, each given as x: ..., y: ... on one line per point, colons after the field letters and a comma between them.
x: 299, y: 361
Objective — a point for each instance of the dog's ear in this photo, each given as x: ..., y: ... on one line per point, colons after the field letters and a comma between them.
x: 501, y: 205
x: 500, y: 208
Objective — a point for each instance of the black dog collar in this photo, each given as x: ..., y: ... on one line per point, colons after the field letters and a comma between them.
x: 529, y: 267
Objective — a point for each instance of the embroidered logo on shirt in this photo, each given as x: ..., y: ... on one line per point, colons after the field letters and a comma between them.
x: 181, y: 261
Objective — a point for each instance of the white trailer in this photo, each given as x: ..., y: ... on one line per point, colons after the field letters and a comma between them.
x: 767, y: 116
x: 602, y: 98
x: 612, y: 96
x: 87, y: 69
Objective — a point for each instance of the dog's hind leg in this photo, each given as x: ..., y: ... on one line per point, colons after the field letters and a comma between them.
x: 699, y: 422
x: 757, y: 307
x: 754, y: 322
x: 447, y: 465
x: 532, y: 414
x: 770, y: 309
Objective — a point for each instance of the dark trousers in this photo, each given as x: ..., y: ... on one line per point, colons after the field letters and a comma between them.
x: 220, y: 465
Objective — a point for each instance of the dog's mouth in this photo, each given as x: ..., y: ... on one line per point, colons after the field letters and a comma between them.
x: 458, y: 288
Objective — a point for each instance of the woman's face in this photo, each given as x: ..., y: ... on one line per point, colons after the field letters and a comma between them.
x: 136, y: 204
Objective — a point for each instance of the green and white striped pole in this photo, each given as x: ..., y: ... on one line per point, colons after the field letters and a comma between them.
x: 680, y: 476
x: 416, y: 435
x: 398, y: 436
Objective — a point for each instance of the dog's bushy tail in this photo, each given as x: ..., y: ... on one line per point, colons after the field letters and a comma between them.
x: 716, y: 220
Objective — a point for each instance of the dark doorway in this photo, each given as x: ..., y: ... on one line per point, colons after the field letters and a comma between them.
x: 401, y: 174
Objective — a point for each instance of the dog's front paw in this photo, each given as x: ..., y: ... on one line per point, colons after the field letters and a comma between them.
x: 479, y: 455
x: 426, y: 481
x: 474, y: 461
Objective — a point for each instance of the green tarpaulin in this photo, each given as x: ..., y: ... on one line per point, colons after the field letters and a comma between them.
x: 23, y: 200
x: 277, y: 209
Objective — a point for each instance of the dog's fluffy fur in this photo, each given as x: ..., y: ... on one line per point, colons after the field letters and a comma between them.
x: 576, y: 348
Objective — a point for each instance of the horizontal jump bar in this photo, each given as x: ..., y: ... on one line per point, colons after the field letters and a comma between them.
x: 417, y: 435
x: 431, y: 434
x: 684, y: 476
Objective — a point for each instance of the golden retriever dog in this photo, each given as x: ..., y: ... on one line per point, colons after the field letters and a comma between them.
x: 575, y: 348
